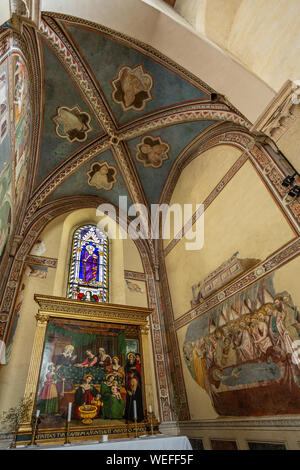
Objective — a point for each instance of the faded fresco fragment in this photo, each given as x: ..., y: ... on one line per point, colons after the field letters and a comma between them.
x: 244, y: 353
x: 22, y: 123
x: 132, y: 88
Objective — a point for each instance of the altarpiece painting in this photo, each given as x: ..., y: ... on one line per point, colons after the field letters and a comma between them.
x: 88, y: 361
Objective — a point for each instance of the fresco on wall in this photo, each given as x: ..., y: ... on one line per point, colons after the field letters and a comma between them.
x: 38, y: 248
x: 152, y: 152
x: 12, y: 184
x: 5, y: 207
x: 22, y: 124
x: 37, y: 271
x: 5, y: 166
x: 4, y: 107
x: 244, y: 353
x: 16, y: 316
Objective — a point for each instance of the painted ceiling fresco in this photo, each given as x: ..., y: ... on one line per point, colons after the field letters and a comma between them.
x: 59, y: 91
x: 88, y: 180
x: 107, y: 97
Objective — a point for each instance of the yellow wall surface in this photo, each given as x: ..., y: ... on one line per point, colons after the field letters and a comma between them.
x: 244, y: 218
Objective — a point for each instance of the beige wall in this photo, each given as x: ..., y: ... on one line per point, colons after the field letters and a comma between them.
x: 285, y: 279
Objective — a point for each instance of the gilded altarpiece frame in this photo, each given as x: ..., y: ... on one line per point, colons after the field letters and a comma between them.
x: 62, y: 323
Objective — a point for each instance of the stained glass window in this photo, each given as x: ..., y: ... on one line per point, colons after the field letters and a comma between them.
x: 88, y: 275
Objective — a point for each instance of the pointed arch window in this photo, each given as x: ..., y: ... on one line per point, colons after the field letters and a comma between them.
x: 88, y: 274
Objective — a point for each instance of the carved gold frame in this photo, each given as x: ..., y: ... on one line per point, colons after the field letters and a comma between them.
x: 61, y: 307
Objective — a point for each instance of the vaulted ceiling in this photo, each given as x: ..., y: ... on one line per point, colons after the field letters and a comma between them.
x: 115, y: 114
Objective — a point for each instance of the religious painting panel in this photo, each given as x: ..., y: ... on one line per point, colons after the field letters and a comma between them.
x: 152, y: 152
x: 86, y: 365
x: 102, y: 176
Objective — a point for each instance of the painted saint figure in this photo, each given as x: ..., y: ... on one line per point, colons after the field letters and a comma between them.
x: 89, y: 361
x: 89, y: 264
x: 113, y: 403
x: 72, y: 124
x: 86, y: 394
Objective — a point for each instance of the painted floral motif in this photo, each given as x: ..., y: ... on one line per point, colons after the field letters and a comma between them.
x: 102, y: 176
x: 72, y: 124
x: 132, y: 88
x: 152, y: 151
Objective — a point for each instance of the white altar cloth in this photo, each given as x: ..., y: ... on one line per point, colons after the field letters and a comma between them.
x: 158, y: 442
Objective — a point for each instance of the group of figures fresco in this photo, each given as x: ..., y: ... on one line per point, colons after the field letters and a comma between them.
x: 99, y: 380
x: 244, y: 353
x: 14, y: 89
